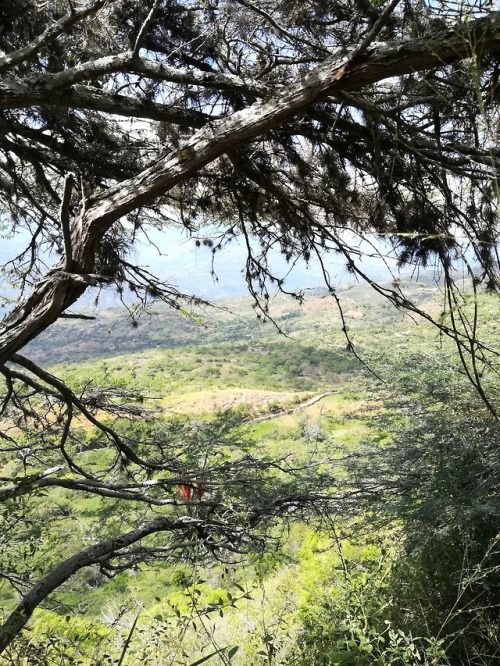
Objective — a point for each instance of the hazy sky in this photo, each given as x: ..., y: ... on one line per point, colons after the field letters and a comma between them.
x: 189, y: 267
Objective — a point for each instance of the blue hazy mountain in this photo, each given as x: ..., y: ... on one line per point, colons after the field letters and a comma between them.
x: 194, y: 268
x: 197, y: 269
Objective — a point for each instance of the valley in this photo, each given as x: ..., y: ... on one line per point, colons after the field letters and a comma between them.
x: 286, y: 397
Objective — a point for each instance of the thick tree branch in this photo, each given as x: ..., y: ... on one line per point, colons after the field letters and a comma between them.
x: 64, y: 217
x: 56, y: 292
x: 136, y: 492
x: 331, y: 76
x: 100, y: 552
x: 213, y: 80
x: 18, y: 94
x: 51, y: 33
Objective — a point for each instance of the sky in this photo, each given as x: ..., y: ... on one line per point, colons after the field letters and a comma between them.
x: 189, y: 267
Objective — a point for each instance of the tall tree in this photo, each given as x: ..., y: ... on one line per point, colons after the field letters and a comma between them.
x: 300, y: 124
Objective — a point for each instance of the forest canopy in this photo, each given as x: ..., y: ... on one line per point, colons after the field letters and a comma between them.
x: 296, y: 126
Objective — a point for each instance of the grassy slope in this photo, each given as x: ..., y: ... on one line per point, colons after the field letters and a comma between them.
x: 228, y: 359
x: 112, y: 333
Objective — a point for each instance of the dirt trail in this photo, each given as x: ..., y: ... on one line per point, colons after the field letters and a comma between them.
x: 298, y: 408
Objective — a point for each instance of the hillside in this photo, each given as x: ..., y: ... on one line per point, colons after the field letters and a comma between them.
x: 114, y: 332
x: 220, y: 387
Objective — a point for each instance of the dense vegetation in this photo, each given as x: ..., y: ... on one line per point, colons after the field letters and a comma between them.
x: 402, y: 569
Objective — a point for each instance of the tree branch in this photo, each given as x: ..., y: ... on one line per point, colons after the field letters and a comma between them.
x: 60, y: 27
x: 51, y: 296
x: 60, y: 574
x: 375, y: 31
x: 20, y: 94
x: 64, y: 218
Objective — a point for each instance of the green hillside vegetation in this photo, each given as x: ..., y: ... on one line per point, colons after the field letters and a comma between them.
x: 114, y: 331
x: 404, y: 571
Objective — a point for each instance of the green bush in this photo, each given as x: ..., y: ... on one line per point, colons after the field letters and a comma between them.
x: 439, y: 478
x: 345, y: 619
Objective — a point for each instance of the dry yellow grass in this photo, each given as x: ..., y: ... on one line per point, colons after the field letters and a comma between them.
x: 202, y: 402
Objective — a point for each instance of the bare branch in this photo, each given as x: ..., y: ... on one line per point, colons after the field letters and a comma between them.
x: 375, y: 30
x: 144, y: 28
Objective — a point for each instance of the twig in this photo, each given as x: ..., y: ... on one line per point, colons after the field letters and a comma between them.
x: 70, y: 315
x: 144, y: 28
x: 127, y: 641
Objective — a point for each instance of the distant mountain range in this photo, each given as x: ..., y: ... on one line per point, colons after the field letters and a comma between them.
x: 188, y: 266
x: 193, y: 269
